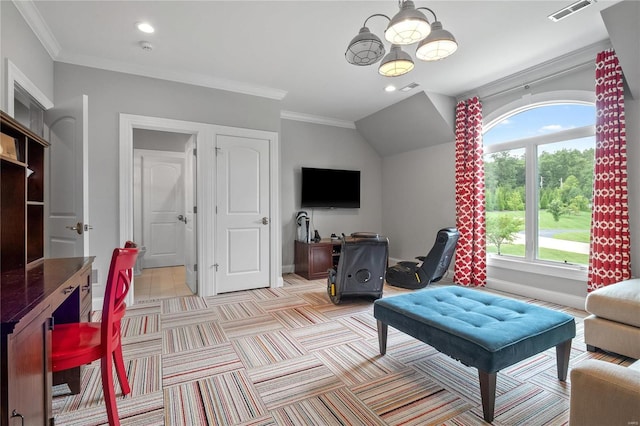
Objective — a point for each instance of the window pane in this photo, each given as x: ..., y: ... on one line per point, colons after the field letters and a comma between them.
x: 565, y: 184
x: 505, y: 202
x: 540, y: 121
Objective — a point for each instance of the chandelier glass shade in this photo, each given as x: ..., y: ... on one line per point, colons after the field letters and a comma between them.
x: 408, y: 26
x: 396, y: 63
x: 439, y: 44
x: 365, y: 49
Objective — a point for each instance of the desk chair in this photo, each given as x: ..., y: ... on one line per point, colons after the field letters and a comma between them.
x: 76, y: 344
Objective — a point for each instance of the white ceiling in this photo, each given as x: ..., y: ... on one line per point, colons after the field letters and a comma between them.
x: 294, y: 50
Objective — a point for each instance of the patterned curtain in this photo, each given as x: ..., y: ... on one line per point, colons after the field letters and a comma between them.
x: 609, y: 258
x: 470, y: 267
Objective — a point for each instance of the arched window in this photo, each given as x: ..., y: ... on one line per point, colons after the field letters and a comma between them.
x: 539, y: 182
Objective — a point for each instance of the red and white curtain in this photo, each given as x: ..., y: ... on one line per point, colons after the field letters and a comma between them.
x: 609, y: 258
x: 470, y: 268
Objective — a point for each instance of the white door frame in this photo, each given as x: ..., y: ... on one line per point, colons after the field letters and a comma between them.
x: 205, y: 191
x: 15, y: 76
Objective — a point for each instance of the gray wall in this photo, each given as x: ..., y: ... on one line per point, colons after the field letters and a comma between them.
x: 418, y: 198
x: 621, y: 21
x: 22, y: 47
x: 315, y: 145
x: 112, y: 93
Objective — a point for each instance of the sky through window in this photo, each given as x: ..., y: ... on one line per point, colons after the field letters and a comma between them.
x: 539, y: 121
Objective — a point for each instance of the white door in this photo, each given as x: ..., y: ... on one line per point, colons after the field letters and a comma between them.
x: 68, y: 184
x: 163, y: 209
x: 190, y: 216
x: 242, y: 221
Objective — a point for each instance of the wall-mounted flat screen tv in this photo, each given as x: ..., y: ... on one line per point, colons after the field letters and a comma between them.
x: 330, y: 188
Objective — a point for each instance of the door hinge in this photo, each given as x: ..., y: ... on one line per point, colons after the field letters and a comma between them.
x: 195, y: 267
x: 195, y: 152
x: 51, y: 324
x: 195, y: 209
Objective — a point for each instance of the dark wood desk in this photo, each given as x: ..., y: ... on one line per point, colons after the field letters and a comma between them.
x: 31, y: 302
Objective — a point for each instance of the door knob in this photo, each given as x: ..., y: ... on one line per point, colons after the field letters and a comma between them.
x: 265, y: 220
x: 79, y: 228
x: 182, y: 218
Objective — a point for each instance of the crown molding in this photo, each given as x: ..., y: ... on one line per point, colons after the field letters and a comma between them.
x: 34, y: 19
x: 316, y: 119
x: 176, y: 76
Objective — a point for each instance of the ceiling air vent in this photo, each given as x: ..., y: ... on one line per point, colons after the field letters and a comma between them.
x: 409, y: 87
x: 570, y: 10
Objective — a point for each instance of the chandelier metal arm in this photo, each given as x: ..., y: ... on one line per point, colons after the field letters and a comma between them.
x: 375, y: 14
x: 435, y: 18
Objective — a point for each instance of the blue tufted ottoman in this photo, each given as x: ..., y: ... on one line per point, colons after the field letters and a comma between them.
x: 479, y: 329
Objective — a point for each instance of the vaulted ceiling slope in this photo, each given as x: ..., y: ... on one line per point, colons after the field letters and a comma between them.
x: 417, y: 122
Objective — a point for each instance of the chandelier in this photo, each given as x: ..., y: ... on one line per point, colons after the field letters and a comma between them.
x: 407, y: 27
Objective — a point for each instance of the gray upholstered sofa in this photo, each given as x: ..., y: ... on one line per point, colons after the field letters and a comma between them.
x: 603, y: 393
x: 614, y: 323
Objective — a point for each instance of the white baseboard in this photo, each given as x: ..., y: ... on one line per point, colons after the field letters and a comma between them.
x: 536, y: 293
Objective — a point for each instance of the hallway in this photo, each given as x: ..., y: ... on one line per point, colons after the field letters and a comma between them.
x: 160, y: 283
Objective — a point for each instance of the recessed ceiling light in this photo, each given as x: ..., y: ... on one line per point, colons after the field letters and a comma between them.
x: 145, y: 27
x: 390, y: 88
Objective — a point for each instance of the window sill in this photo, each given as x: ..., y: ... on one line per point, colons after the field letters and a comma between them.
x: 572, y: 272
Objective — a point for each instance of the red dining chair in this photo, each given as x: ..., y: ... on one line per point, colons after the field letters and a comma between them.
x: 80, y: 343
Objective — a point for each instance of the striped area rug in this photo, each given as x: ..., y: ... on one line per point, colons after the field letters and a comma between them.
x: 288, y: 356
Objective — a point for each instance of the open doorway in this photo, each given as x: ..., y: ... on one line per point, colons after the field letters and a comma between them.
x: 197, y: 133
x: 212, y: 258
x: 163, y: 188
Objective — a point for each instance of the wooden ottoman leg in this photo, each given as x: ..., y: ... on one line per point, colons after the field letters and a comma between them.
x: 563, y: 350
x: 488, y: 394
x: 382, y: 337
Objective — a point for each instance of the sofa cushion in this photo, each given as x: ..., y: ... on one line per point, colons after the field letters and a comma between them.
x: 603, y: 393
x: 618, y: 302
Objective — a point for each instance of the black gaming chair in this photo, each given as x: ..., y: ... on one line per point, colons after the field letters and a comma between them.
x: 361, y: 267
x: 413, y: 275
